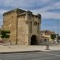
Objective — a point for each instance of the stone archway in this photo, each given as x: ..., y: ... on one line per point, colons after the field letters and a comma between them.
x: 34, y: 40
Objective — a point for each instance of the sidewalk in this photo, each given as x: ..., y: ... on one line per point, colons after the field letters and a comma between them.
x: 20, y: 48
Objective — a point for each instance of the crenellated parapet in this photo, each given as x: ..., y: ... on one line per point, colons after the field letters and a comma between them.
x: 17, y: 11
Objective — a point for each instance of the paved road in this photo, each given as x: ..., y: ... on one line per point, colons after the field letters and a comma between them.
x: 54, y: 55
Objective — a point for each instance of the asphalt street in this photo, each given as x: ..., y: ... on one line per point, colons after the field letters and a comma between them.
x: 52, y: 55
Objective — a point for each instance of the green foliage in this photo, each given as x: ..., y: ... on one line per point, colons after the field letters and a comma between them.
x: 53, y: 36
x: 5, y: 34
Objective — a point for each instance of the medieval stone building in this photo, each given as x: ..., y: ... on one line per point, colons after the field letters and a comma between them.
x: 23, y: 25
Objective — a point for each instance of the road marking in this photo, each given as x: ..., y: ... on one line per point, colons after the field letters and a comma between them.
x: 50, y: 54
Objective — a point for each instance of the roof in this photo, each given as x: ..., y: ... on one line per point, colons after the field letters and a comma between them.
x: 47, y: 32
x: 17, y: 9
x: 21, y: 12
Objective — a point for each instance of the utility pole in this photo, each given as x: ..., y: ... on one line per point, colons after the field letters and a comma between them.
x: 57, y: 30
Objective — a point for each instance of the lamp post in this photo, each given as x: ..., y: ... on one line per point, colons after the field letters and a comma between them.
x: 57, y: 30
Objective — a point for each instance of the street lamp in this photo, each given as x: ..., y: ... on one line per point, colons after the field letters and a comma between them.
x: 57, y: 30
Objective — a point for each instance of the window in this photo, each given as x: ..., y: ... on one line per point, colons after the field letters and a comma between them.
x: 35, y: 23
x: 36, y: 16
x: 30, y: 27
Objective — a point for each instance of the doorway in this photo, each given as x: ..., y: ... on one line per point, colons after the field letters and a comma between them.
x: 34, y: 40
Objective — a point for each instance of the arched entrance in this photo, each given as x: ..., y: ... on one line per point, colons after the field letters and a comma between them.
x: 34, y: 40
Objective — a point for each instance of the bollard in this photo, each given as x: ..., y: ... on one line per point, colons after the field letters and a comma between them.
x: 9, y: 44
x: 47, y: 47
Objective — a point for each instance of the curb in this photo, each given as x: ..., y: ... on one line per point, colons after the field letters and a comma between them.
x: 20, y: 52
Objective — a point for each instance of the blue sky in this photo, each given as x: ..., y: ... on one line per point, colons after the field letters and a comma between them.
x: 49, y: 9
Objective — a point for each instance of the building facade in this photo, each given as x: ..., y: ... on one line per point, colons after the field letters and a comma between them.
x: 46, y: 35
x: 23, y: 25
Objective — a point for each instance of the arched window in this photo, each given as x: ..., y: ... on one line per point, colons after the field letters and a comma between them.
x: 35, y: 23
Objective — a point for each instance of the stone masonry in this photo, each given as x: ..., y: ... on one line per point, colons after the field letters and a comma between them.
x: 23, y: 25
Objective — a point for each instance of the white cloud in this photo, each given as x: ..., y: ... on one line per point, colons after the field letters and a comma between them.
x: 28, y: 3
x: 24, y: 3
x: 49, y: 7
x: 45, y: 1
x: 0, y: 2
x: 17, y: 3
x: 49, y: 15
x: 2, y: 11
x: 57, y: 5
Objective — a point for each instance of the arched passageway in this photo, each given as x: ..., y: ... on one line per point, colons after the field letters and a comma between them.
x: 34, y: 40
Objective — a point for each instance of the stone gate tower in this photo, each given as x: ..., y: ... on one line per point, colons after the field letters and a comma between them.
x: 23, y: 25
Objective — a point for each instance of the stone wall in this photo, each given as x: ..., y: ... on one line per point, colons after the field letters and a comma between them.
x: 9, y: 23
x: 22, y: 30
x: 34, y: 26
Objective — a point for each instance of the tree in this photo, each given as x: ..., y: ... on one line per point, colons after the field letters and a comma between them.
x: 53, y: 36
x: 5, y: 34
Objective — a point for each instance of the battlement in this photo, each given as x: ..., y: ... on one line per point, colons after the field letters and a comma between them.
x: 17, y: 10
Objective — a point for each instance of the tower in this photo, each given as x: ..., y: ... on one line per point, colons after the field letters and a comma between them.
x: 24, y: 26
